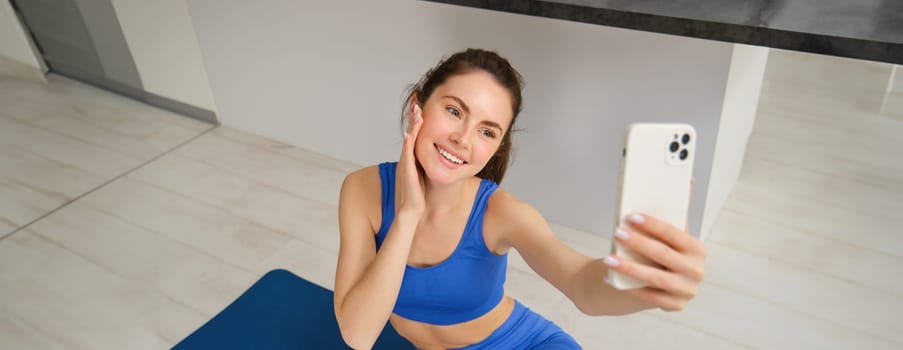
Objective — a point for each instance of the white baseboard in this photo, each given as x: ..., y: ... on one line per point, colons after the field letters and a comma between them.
x: 13, y: 68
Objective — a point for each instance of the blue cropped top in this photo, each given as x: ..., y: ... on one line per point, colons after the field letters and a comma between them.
x: 465, y: 286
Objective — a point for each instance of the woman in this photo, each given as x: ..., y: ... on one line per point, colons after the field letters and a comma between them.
x: 424, y: 240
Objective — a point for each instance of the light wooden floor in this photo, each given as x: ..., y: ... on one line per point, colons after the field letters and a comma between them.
x: 129, y: 227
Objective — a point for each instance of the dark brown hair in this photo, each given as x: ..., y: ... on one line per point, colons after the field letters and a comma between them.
x: 468, y: 61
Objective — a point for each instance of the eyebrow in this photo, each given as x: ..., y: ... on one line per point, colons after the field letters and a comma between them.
x: 467, y: 110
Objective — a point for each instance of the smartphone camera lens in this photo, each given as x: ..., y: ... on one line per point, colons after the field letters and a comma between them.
x: 684, y: 154
x: 685, y: 139
x: 674, y: 146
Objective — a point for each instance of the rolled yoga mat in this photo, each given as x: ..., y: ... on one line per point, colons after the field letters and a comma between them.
x: 280, y: 311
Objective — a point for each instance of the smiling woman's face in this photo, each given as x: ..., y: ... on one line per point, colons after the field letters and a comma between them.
x: 463, y: 123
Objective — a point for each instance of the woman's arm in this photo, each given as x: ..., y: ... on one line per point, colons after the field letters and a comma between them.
x: 367, y: 283
x: 579, y: 277
x: 582, y: 278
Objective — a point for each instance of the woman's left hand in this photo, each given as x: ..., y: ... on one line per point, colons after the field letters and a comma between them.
x: 681, y: 256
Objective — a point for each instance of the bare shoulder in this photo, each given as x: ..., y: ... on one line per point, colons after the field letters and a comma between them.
x: 363, y: 175
x: 504, y: 205
x: 506, y: 215
x: 362, y: 189
x: 364, y: 182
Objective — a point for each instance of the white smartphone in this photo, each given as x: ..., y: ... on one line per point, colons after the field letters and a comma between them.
x: 656, y: 171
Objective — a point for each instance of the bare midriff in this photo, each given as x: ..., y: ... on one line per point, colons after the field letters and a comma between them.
x: 428, y: 336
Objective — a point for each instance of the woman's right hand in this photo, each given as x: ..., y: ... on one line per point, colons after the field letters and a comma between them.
x: 411, y: 201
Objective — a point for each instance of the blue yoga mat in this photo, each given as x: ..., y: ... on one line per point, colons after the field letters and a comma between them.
x: 280, y: 311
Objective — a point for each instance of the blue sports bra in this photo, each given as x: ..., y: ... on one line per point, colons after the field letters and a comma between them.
x: 465, y: 286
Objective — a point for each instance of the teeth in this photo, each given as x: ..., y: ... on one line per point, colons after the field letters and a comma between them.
x: 450, y: 157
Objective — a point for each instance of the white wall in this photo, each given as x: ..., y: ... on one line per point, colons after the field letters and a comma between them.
x: 892, y: 104
x: 164, y: 45
x: 17, y: 58
x: 329, y: 76
x: 741, y: 101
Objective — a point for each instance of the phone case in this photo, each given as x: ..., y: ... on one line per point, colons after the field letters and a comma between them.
x: 656, y: 170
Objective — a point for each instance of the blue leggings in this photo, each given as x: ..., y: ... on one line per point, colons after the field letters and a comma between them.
x: 525, y: 329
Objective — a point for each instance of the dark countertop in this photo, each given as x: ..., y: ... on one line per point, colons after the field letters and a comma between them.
x: 863, y: 29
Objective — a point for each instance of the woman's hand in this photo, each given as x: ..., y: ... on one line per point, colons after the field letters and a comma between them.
x: 681, y: 256
x: 411, y: 201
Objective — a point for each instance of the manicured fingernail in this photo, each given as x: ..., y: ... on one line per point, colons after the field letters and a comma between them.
x: 417, y: 111
x: 637, y: 218
x: 622, y: 234
x: 611, y: 261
